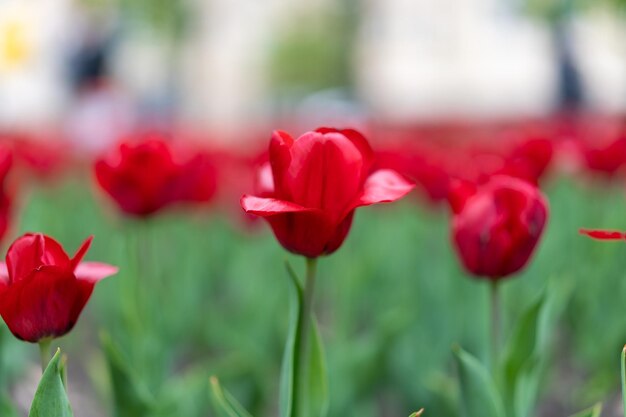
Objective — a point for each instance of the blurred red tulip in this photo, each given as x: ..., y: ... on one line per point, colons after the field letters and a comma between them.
x: 604, y: 234
x: 529, y: 161
x: 607, y: 159
x: 42, y: 290
x: 6, y: 161
x: 319, y: 180
x: 496, y: 226
x: 146, y: 177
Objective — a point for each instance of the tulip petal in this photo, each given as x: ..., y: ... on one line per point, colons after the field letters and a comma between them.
x: 383, y: 186
x: 31, y: 251
x: 603, y: 234
x: 47, y: 303
x: 94, y: 271
x: 270, y: 206
x: 80, y: 253
x: 280, y: 157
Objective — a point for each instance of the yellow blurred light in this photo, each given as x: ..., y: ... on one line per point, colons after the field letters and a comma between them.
x: 14, y: 47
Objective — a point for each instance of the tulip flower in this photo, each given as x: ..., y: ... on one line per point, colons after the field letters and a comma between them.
x: 496, y: 226
x: 6, y: 161
x: 319, y: 180
x: 495, y: 229
x: 43, y: 290
x: 145, y: 177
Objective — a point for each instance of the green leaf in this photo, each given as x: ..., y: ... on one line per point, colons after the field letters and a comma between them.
x: 50, y: 398
x: 594, y: 411
x: 479, y: 395
x: 225, y: 405
x: 286, y: 371
x: 624, y: 379
x: 524, y: 356
x: 315, y: 399
x: 317, y: 390
x: 130, y: 397
x: 417, y: 413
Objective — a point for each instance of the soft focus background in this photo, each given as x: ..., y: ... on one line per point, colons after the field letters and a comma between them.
x: 438, y: 86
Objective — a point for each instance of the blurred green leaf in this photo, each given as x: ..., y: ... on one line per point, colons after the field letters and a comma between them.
x: 7, y: 409
x: 130, y: 397
x: 479, y: 395
x: 623, y: 372
x: 521, y: 365
x: 315, y: 401
x: 317, y: 398
x: 417, y: 413
x: 594, y: 411
x: 50, y: 398
x: 225, y: 405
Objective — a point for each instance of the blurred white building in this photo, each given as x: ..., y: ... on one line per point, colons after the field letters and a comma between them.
x: 33, y: 36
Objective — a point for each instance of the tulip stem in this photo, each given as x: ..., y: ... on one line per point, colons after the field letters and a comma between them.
x: 301, y: 347
x: 44, y: 352
x: 495, y: 323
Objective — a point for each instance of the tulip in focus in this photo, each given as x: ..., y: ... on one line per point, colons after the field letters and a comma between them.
x: 43, y: 290
x: 496, y: 226
x: 319, y: 180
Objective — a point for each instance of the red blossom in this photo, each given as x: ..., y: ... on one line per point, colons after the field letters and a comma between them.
x: 43, y: 290
x: 319, y: 180
x: 496, y: 226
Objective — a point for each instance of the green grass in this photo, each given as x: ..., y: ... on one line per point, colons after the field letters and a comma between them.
x: 210, y: 296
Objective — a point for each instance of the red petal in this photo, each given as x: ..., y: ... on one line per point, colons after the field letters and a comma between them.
x: 603, y: 234
x: 326, y: 172
x: 80, y: 253
x: 94, y: 271
x: 31, y: 251
x: 280, y: 158
x: 270, y: 206
x: 47, y: 303
x: 383, y: 186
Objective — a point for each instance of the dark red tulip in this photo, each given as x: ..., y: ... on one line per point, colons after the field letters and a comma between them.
x: 147, y: 176
x: 319, y: 180
x: 496, y: 226
x: 43, y: 290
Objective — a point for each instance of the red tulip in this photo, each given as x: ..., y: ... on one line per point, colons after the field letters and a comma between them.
x: 146, y: 177
x: 6, y: 161
x: 42, y: 290
x: 496, y: 226
x: 319, y: 180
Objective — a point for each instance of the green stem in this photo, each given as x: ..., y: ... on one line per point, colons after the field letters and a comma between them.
x: 44, y: 352
x: 495, y: 323
x: 301, y: 348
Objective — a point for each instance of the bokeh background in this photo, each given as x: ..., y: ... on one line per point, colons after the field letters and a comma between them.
x: 414, y: 75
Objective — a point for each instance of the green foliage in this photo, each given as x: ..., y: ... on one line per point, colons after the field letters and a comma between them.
x: 594, y: 411
x: 225, y: 405
x: 479, y: 394
x: 51, y: 398
x: 131, y: 398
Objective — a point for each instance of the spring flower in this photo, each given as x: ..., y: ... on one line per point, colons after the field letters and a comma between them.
x: 147, y: 176
x: 317, y: 182
x: 496, y: 226
x: 43, y: 290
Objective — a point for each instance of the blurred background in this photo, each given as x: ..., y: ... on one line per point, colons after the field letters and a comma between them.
x: 93, y: 68
x: 437, y: 85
